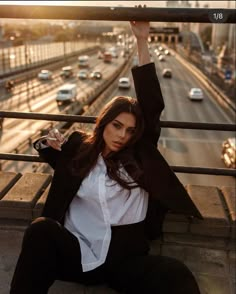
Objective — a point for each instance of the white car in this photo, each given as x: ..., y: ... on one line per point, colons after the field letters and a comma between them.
x: 45, y: 74
x: 228, y: 153
x: 124, y: 83
x: 195, y: 94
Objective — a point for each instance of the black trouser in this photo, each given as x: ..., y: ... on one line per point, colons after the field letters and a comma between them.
x: 50, y: 252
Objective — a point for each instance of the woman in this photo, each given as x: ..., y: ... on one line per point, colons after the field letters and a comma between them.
x: 108, y: 196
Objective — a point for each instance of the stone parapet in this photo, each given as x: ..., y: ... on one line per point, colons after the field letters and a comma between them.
x: 206, y: 246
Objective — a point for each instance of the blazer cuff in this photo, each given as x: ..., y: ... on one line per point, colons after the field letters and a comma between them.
x: 146, y: 67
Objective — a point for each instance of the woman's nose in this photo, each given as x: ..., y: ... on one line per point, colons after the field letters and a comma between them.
x: 122, y: 133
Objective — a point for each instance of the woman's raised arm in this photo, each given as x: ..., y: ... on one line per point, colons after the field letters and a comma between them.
x: 141, y: 32
x: 146, y: 84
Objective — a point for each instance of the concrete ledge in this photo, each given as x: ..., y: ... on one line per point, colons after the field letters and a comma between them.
x: 19, y: 201
x: 7, y: 180
x: 229, y: 195
x: 206, y: 246
x: 216, y: 221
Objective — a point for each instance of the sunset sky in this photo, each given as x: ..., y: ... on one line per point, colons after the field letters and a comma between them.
x: 212, y: 4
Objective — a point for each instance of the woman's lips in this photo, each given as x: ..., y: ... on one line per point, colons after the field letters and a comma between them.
x: 118, y: 144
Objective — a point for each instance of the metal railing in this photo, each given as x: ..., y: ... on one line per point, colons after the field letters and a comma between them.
x: 113, y: 13
x: 92, y: 119
x: 196, y: 15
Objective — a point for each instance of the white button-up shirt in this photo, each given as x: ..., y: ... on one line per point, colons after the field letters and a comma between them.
x: 99, y: 204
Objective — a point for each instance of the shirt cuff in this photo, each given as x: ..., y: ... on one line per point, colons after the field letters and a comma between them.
x: 40, y: 144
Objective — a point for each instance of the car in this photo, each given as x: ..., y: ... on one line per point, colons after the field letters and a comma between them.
x: 157, y: 52
x: 135, y: 60
x: 113, y: 52
x: 96, y: 75
x: 83, y: 74
x: 124, y: 83
x: 100, y: 55
x: 161, y: 58
x: 9, y: 85
x: 107, y: 57
x: 83, y: 61
x: 45, y: 74
x: 195, y: 94
x: 167, y: 73
x: 67, y: 72
x: 228, y: 152
x: 167, y: 52
x: 66, y: 93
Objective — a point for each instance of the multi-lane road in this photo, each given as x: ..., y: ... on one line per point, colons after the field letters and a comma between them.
x: 180, y: 147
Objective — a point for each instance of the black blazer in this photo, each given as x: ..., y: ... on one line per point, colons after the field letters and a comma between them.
x: 165, y: 190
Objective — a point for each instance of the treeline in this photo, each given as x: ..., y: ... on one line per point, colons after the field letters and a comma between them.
x: 18, y: 34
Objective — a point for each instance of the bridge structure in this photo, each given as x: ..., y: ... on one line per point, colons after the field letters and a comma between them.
x: 207, y: 247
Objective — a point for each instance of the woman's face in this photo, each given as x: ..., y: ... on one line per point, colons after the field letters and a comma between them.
x: 118, y: 132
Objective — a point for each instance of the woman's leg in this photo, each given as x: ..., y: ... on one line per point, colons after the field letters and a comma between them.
x: 49, y: 252
x: 154, y: 275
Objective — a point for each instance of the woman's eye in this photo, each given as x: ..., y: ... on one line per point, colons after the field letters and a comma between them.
x: 117, y: 126
x: 131, y: 131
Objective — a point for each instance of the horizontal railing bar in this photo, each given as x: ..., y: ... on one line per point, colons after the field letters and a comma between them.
x: 198, y: 126
x: 204, y: 170
x: 49, y: 117
x: 178, y: 169
x: 92, y: 119
x: 112, y: 13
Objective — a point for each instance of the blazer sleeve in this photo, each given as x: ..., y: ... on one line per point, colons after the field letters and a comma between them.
x: 149, y: 96
x: 52, y: 156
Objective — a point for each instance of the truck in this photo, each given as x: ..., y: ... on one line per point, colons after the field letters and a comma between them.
x: 66, y: 93
x: 83, y: 61
x: 107, y: 57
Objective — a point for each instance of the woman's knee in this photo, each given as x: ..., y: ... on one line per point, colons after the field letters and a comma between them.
x: 40, y: 229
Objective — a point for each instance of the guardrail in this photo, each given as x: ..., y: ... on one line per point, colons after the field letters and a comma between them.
x: 20, y: 75
x: 88, y: 103
x: 218, y: 94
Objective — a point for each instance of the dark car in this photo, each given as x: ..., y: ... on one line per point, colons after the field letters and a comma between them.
x: 67, y: 72
x: 167, y: 73
x: 83, y: 74
x: 9, y: 85
x: 96, y: 75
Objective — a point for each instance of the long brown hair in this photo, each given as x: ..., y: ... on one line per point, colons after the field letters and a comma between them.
x: 94, y: 144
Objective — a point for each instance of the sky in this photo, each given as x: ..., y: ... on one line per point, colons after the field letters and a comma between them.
x: 212, y: 4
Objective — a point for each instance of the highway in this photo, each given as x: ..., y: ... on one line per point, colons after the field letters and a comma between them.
x: 180, y: 147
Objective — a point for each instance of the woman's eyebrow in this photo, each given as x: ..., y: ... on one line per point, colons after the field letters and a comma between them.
x: 118, y: 121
